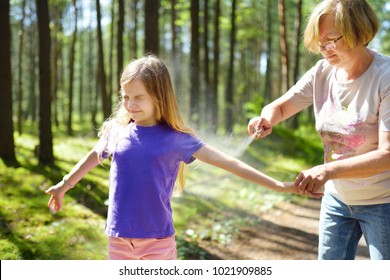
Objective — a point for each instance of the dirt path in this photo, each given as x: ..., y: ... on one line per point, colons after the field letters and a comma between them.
x: 288, y: 232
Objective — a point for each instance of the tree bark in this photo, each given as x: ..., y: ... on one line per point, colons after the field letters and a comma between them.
x: 194, y: 63
x: 7, y: 146
x: 119, y: 45
x: 298, y: 24
x: 71, y: 72
x: 268, y: 73
x: 20, y: 69
x: 284, y: 46
x: 133, y: 31
x: 32, y: 67
x: 229, y: 117
x: 45, y: 149
x: 111, y: 78
x: 56, y: 63
x: 106, y: 99
x: 207, y: 91
x: 215, y: 81
x: 176, y: 51
x: 151, y: 27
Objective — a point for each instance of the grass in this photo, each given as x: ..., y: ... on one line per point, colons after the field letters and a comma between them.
x: 213, y: 207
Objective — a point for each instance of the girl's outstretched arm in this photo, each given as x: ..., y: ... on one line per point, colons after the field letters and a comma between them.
x: 219, y: 159
x: 76, y: 174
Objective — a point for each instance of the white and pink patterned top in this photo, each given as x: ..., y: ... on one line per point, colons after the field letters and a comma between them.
x: 349, y: 117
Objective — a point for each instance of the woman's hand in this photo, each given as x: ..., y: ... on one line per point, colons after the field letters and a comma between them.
x: 259, y: 124
x: 311, y: 180
x: 289, y: 187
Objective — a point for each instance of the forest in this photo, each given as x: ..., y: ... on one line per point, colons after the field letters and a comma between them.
x: 61, y: 61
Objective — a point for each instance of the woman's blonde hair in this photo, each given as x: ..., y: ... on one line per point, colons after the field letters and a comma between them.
x: 354, y: 19
x: 155, y: 77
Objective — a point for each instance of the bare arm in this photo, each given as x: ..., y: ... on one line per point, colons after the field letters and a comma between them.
x: 361, y: 166
x: 75, y: 175
x: 219, y: 159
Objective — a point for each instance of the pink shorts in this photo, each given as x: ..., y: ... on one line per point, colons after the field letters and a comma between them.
x: 120, y: 248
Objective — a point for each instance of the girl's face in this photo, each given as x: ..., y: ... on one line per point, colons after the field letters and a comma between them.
x: 138, y: 102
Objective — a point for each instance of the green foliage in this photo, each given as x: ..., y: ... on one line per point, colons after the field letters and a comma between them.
x: 385, y: 30
x: 27, y: 229
x: 252, y: 108
x: 308, y: 147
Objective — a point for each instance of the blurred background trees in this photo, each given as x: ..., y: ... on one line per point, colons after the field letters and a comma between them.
x: 61, y: 59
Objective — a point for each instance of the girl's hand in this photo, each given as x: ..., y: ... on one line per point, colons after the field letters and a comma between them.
x: 289, y: 187
x: 57, y: 193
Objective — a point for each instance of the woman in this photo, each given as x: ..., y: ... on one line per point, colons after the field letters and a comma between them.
x: 349, y: 90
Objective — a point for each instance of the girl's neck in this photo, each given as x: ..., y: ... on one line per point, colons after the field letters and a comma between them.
x: 145, y: 123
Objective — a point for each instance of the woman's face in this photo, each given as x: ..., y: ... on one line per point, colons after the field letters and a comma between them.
x: 331, y: 43
x: 138, y: 102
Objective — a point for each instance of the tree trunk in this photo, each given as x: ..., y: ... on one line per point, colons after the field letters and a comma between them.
x: 71, y: 72
x: 82, y: 74
x: 119, y: 45
x: 229, y: 120
x: 151, y: 27
x: 20, y: 69
x: 32, y: 69
x: 173, y: 40
x: 7, y: 146
x: 110, y: 71
x: 133, y: 31
x: 177, y: 75
x: 194, y: 63
x: 56, y: 63
x: 298, y: 24
x: 91, y: 85
x: 268, y: 73
x: 101, y: 74
x: 215, y: 81
x: 207, y: 92
x: 45, y: 151
x: 284, y: 46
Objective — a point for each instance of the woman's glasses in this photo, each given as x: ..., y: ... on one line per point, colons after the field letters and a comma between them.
x: 329, y: 45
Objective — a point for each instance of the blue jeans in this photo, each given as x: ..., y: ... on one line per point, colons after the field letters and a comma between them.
x: 341, y: 227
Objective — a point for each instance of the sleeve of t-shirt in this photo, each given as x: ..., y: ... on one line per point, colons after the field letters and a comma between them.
x: 301, y: 94
x: 384, y: 109
x: 189, y: 145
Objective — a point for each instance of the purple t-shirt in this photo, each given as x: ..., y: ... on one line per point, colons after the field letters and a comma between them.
x: 144, y: 168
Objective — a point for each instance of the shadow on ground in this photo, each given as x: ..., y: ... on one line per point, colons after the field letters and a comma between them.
x: 288, y: 232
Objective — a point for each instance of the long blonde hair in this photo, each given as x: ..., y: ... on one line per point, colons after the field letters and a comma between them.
x: 154, y: 75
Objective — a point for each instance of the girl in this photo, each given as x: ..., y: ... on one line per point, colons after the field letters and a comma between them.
x: 149, y: 145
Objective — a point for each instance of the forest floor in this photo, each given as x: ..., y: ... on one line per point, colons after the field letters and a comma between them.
x: 287, y: 232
